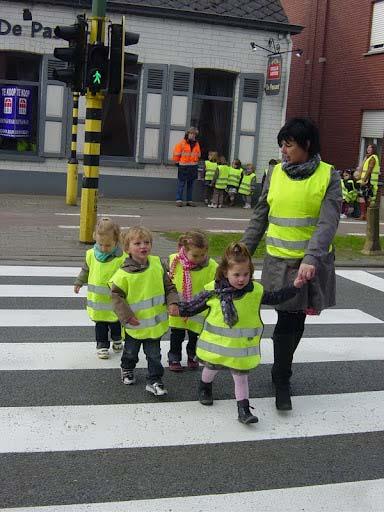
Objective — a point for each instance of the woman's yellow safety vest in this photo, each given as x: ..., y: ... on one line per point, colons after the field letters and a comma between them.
x: 245, y: 185
x: 294, y: 209
x: 234, y: 177
x: 199, y: 279
x: 222, y: 178
x: 236, y: 347
x: 374, y: 179
x: 99, y: 303
x: 145, y: 295
x: 210, y: 169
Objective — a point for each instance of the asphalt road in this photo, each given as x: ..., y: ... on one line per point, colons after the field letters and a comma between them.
x: 44, y: 228
x: 71, y: 434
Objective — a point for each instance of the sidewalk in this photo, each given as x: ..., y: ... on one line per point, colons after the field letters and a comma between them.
x: 44, y: 230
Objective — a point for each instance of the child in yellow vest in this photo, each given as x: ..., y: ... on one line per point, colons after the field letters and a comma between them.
x: 190, y: 270
x: 141, y: 295
x: 220, y: 182
x: 248, y: 185
x: 210, y: 168
x: 101, y: 262
x: 232, y: 329
x: 234, y: 179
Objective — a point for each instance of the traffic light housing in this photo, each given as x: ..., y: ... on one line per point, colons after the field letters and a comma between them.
x: 97, y: 67
x: 74, y: 55
x: 120, y: 61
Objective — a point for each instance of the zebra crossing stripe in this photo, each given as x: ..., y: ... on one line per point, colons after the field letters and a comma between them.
x: 79, y: 317
x: 82, y: 356
x: 32, y: 290
x: 361, y: 277
x: 38, y: 271
x: 363, y: 496
x: 95, y: 427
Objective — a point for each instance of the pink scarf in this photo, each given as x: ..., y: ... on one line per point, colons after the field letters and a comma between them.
x: 187, y: 265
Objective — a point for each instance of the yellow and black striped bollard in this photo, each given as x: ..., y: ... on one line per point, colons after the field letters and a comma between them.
x: 71, y: 195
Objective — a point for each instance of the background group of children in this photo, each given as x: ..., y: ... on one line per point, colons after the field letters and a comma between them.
x: 356, y: 194
x: 224, y: 183
x: 135, y: 296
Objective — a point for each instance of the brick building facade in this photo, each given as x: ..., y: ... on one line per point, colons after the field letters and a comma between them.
x: 339, y: 81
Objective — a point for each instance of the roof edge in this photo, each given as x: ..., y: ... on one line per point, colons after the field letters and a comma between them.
x: 180, y: 15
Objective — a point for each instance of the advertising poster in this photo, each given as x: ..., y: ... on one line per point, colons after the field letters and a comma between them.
x: 15, y: 111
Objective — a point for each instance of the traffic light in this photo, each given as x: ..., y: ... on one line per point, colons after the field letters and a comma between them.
x: 76, y: 35
x: 120, y: 62
x: 97, y: 67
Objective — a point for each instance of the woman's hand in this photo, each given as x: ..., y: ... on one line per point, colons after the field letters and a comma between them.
x: 77, y: 288
x: 299, y: 282
x: 306, y: 272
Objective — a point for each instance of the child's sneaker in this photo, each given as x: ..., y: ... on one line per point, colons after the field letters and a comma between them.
x: 175, y: 366
x: 127, y: 376
x: 117, y: 346
x: 157, y: 388
x: 102, y: 353
x: 192, y: 364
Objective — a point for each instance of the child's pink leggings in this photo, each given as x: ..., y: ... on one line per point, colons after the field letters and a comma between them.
x: 241, y: 382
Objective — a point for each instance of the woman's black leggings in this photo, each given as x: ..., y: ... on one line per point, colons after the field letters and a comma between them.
x: 286, y: 336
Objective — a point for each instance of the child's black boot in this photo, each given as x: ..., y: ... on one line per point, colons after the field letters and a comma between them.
x: 245, y: 415
x: 205, y: 393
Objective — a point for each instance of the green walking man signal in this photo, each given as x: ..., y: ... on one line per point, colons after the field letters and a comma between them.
x: 97, y: 67
x: 96, y: 77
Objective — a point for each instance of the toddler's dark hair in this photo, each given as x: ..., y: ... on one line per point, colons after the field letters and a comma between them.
x: 236, y: 252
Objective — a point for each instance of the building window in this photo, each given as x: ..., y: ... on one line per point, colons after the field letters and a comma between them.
x: 377, y: 29
x: 19, y: 97
x: 371, y: 131
x: 212, y: 108
x: 119, y: 123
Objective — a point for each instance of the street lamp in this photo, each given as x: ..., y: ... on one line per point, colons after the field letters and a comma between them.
x: 274, y: 48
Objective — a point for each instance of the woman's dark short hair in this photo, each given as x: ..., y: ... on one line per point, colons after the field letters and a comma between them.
x: 301, y: 130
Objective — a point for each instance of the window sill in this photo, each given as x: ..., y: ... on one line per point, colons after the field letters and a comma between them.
x: 118, y: 162
x: 20, y: 157
x: 373, y: 52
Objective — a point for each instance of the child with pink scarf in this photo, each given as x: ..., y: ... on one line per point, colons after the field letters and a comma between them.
x: 190, y: 270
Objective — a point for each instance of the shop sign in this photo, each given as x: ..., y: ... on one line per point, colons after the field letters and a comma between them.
x: 273, y: 82
x: 15, y: 111
x: 37, y: 28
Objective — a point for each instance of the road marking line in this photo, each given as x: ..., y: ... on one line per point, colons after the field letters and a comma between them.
x: 95, y: 427
x: 38, y: 271
x: 82, y: 355
x: 226, y: 218
x: 79, y: 317
x: 225, y: 230
x: 37, y: 290
x: 366, y: 495
x: 362, y: 277
x: 102, y: 215
x: 62, y: 226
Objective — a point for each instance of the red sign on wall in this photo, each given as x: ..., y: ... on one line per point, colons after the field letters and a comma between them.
x: 272, y: 85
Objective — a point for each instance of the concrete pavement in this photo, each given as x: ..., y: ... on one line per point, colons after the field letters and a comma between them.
x: 45, y: 229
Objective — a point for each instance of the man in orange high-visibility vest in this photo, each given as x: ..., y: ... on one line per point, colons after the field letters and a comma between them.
x: 186, y: 154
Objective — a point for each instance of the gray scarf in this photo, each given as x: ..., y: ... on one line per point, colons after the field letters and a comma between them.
x: 301, y: 171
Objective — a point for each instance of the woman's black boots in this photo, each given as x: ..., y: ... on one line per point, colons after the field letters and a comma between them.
x: 205, y: 393
x: 245, y: 415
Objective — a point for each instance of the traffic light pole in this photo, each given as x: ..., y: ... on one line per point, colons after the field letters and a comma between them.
x: 94, y: 105
x: 71, y: 196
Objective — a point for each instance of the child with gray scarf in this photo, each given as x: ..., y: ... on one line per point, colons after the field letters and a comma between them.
x: 233, y: 327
